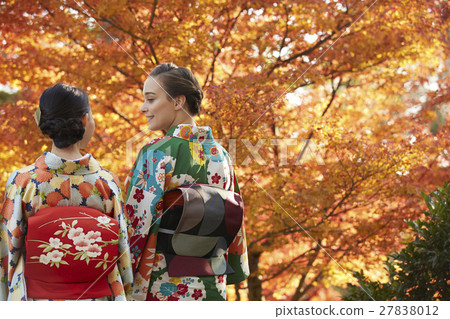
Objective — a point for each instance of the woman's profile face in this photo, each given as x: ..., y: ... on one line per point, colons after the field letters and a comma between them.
x: 157, y: 108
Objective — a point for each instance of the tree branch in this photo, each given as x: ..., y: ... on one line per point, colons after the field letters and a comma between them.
x: 289, y: 265
x: 303, y: 53
x: 297, y: 293
x: 222, y: 43
x: 152, y: 17
x: 311, y: 132
x: 122, y: 115
x: 118, y: 27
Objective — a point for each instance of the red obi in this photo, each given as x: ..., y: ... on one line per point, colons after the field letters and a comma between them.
x: 69, y: 253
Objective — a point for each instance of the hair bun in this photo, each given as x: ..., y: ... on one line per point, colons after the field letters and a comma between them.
x: 62, y: 106
x: 178, y: 81
x: 63, y: 132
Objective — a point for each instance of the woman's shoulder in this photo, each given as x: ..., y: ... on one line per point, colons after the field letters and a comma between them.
x: 21, y: 176
x: 166, y: 144
x: 159, y: 142
x: 109, y: 176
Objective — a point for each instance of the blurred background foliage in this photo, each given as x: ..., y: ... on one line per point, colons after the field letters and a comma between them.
x: 346, y: 102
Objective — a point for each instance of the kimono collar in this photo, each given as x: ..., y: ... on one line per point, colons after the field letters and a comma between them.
x: 85, y: 165
x: 191, y: 133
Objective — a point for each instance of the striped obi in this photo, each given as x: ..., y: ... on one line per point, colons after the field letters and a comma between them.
x: 198, y: 225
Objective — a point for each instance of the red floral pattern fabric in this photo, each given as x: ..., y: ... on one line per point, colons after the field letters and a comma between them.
x: 52, y: 181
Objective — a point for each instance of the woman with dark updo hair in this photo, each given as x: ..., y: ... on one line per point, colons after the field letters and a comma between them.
x: 65, y: 116
x: 187, y: 238
x: 63, y: 234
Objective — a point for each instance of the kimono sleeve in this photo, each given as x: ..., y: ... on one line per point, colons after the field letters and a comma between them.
x: 237, y: 252
x: 146, y: 185
x: 122, y: 275
x: 12, y: 233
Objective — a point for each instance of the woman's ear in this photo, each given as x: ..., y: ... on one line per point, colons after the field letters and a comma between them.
x: 84, y: 119
x: 179, y: 102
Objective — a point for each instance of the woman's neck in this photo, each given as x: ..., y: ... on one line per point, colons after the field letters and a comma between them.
x: 181, y: 119
x: 69, y: 153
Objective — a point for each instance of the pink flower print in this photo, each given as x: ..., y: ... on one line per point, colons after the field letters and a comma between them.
x: 201, y: 139
x: 214, y: 151
x: 138, y: 195
x: 55, y: 256
x: 197, y: 293
x: 161, y: 177
x: 44, y: 259
x: 220, y: 278
x: 162, y: 165
x: 93, y: 236
x: 216, y: 178
x: 154, y: 159
x: 55, y: 242
x: 81, y: 243
x: 94, y: 250
x: 152, y: 189
x: 75, y: 233
x: 182, y: 289
x: 201, y: 155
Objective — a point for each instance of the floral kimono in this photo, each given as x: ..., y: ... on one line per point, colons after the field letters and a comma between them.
x: 186, y: 155
x: 49, y: 185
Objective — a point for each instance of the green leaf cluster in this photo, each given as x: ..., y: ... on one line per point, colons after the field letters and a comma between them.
x: 421, y: 271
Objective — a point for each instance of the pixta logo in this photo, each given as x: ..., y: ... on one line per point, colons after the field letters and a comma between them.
x: 307, y: 150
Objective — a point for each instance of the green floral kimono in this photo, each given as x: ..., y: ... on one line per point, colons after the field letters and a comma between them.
x: 186, y: 155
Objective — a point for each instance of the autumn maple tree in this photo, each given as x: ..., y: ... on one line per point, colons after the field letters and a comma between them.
x: 335, y: 112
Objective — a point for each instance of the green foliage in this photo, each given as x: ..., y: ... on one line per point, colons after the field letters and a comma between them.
x: 421, y: 271
x: 6, y: 97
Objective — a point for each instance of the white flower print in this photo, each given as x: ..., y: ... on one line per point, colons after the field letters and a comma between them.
x: 103, y: 219
x: 81, y: 243
x: 93, y: 236
x: 44, y: 259
x: 55, y: 256
x: 161, y: 177
x: 55, y: 242
x: 85, y: 246
x: 94, y: 250
x: 75, y: 233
